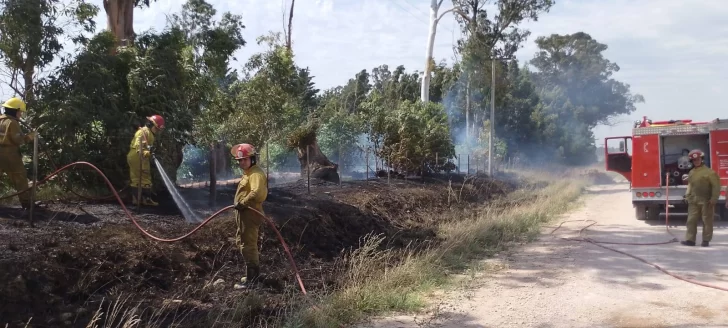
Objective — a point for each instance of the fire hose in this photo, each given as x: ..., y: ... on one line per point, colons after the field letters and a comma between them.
x: 667, y: 228
x: 168, y: 240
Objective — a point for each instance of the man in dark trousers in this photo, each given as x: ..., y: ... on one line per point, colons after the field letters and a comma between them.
x: 702, y: 195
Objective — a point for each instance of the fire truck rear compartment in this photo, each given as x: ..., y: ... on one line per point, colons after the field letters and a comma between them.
x: 673, y: 159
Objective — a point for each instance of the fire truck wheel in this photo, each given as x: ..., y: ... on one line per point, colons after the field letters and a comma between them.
x: 653, y: 213
x: 722, y: 212
x: 640, y: 211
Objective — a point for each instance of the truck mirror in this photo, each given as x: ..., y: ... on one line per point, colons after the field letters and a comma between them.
x: 621, y: 146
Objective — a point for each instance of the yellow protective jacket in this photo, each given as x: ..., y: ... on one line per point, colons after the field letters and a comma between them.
x: 143, y: 135
x: 10, y: 134
x: 253, y: 188
x: 703, y: 185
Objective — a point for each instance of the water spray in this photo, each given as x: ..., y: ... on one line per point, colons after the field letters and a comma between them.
x: 190, y: 216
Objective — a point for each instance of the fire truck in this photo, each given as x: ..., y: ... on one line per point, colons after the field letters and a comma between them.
x: 654, y: 161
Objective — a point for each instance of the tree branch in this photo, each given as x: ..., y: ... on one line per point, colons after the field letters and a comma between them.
x: 455, y: 9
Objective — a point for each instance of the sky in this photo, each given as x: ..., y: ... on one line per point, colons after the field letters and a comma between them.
x: 669, y: 51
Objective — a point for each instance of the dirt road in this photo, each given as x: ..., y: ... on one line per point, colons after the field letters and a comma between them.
x: 558, y: 283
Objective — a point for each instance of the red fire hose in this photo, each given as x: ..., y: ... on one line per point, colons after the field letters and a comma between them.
x: 153, y: 237
x: 667, y: 227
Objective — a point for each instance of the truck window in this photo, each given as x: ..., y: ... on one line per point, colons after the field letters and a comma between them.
x: 619, y: 146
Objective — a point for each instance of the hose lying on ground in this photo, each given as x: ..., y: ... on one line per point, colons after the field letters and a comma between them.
x: 198, y: 227
x: 667, y: 228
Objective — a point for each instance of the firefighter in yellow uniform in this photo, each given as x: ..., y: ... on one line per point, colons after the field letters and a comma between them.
x: 144, y: 137
x: 252, y: 191
x: 701, y: 195
x: 11, y: 138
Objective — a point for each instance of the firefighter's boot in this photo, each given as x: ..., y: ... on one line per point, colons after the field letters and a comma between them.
x: 147, y: 198
x: 688, y: 243
x: 705, y: 243
x: 251, y: 278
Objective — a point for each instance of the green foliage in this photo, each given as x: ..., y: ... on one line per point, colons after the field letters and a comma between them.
x: 31, y: 36
x: 91, y: 105
x: 339, y: 137
x: 414, y: 133
x: 574, y: 79
x: 577, y: 76
x: 91, y: 108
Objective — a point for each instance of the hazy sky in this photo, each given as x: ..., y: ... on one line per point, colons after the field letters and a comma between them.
x: 670, y: 51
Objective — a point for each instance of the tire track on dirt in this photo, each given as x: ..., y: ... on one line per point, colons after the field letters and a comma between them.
x: 556, y: 283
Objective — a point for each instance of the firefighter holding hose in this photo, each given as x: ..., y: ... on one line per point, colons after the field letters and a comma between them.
x: 144, y: 137
x: 11, y: 138
x: 252, y: 191
x: 701, y: 196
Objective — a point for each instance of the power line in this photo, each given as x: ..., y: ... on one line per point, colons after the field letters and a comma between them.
x: 409, y: 12
x: 416, y: 16
x: 418, y: 9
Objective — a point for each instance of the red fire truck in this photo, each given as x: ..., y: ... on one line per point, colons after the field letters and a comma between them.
x: 654, y: 160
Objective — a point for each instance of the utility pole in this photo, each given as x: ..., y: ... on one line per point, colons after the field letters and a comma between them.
x: 492, y: 118
x: 492, y: 113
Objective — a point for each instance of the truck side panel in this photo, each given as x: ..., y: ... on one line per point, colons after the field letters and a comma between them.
x: 646, y: 171
x: 719, y: 154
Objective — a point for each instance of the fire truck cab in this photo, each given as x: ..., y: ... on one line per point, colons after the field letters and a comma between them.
x: 654, y: 161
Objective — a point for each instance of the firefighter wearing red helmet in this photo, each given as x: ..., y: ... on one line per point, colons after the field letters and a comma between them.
x: 252, y: 191
x: 701, y: 195
x: 142, y: 176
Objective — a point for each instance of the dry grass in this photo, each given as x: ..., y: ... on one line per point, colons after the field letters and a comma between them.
x: 50, y: 191
x: 383, y: 281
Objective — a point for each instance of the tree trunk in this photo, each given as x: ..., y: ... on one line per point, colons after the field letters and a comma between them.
x: 321, y: 167
x: 222, y: 161
x: 120, y: 20
x: 290, y: 22
x: 467, y: 110
x: 28, y: 80
x: 425, y: 88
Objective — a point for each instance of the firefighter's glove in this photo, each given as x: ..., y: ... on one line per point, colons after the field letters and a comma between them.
x: 685, y: 199
x: 30, y: 136
x: 146, y: 153
x: 241, y: 206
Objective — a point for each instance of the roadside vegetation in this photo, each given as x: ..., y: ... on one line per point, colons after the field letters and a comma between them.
x: 89, y: 89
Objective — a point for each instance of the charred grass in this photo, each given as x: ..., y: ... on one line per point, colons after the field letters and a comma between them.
x: 361, y: 248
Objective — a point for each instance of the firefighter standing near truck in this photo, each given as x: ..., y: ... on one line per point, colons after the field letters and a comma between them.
x: 144, y: 137
x: 701, y: 196
x: 11, y: 138
x: 252, y: 191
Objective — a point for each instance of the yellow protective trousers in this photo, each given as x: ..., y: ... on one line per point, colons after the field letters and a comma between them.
x: 11, y: 163
x: 136, y: 172
x: 143, y: 138
x: 696, y: 212
x: 246, y: 237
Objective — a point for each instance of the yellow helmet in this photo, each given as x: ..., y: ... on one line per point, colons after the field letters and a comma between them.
x: 15, y: 103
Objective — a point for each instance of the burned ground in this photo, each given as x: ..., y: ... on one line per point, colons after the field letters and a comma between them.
x: 80, y: 254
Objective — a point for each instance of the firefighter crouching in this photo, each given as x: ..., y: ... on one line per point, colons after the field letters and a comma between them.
x: 701, y: 196
x: 144, y: 136
x: 252, y: 191
x: 11, y: 138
